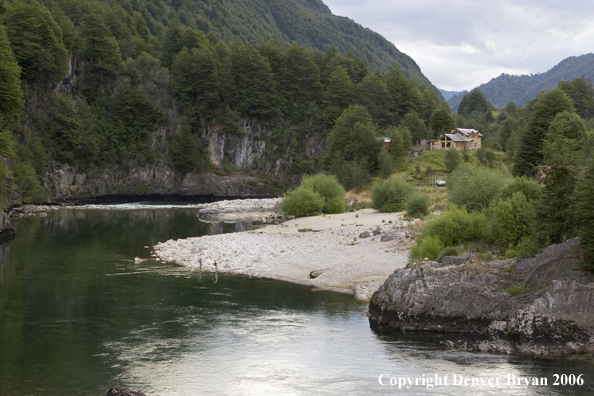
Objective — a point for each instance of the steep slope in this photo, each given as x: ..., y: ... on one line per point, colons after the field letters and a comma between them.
x: 307, y: 22
x: 523, y: 88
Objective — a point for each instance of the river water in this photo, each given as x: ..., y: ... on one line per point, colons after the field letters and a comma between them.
x: 78, y: 316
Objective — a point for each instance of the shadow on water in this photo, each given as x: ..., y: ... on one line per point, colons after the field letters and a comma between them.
x: 414, y: 347
x: 78, y: 315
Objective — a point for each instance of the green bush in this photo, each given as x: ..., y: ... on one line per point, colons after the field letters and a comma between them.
x: 335, y: 205
x: 418, y: 205
x: 302, y: 201
x: 457, y: 226
x: 531, y: 188
x: 474, y: 186
x: 512, y: 219
x: 390, y: 195
x: 329, y: 189
x: 428, y: 247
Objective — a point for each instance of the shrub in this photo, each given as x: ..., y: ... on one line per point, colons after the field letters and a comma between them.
x: 428, y: 247
x: 301, y: 201
x: 512, y: 219
x: 335, y: 205
x: 418, y: 205
x: 474, y: 186
x: 329, y: 189
x: 531, y: 188
x: 457, y: 226
x: 451, y: 160
x: 390, y: 195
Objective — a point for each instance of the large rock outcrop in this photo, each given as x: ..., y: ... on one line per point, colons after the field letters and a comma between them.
x: 6, y: 229
x: 66, y: 182
x: 543, y: 305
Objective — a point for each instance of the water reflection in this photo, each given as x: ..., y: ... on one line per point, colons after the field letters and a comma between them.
x: 78, y: 315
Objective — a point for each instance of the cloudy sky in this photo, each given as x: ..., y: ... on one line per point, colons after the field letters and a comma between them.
x: 460, y: 44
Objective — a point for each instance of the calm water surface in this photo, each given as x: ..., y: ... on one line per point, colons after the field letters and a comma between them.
x: 78, y: 316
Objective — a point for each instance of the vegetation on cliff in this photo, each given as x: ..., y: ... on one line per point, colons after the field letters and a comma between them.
x: 101, y: 84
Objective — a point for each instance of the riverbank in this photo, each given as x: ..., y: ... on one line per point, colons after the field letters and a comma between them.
x: 343, y: 248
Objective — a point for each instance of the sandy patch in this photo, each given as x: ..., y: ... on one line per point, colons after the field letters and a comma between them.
x: 352, y: 265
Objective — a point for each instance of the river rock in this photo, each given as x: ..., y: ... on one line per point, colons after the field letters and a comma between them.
x: 543, y: 305
x: 364, y: 234
x: 316, y: 273
x: 449, y: 260
x: 392, y: 236
x: 123, y: 392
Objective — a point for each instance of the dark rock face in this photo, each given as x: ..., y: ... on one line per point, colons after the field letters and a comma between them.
x: 543, y: 305
x: 6, y: 229
x: 448, y: 260
x: 65, y: 181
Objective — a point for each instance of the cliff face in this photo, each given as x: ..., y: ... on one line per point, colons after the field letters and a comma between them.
x: 543, y: 305
x: 66, y: 182
x: 6, y: 230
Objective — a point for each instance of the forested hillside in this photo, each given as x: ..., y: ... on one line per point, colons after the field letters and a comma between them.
x: 521, y: 89
x: 105, y: 86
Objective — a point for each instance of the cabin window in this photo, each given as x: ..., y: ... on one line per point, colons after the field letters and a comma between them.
x: 475, y: 145
x: 448, y: 144
x: 442, y: 144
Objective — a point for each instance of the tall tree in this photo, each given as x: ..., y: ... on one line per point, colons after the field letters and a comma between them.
x: 254, y: 86
x: 544, y: 109
x: 581, y: 92
x: 474, y: 101
x: 373, y: 94
x: 195, y: 82
x: 441, y: 121
x: 339, y: 93
x: 11, y: 93
x: 36, y: 40
x: 415, y: 125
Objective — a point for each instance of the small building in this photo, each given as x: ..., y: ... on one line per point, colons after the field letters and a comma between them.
x: 458, y: 139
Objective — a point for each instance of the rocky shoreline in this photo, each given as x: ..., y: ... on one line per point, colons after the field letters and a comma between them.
x: 538, y: 306
x: 266, y: 210
x: 351, y: 253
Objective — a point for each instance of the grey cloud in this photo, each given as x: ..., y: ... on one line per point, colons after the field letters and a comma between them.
x: 462, y: 43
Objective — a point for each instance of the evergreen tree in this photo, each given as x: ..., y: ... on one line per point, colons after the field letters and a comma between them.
x: 195, y: 82
x: 338, y: 94
x: 172, y: 43
x: 474, y: 101
x: 544, y: 108
x: 354, y: 137
x: 562, y: 157
x: 36, y: 40
x: 101, y: 49
x: 254, y: 86
x: 415, y: 125
x: 441, y: 121
x: 584, y: 199
x: 11, y: 93
x: 581, y: 91
x: 373, y: 94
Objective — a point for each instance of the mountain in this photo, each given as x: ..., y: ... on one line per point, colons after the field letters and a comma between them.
x: 448, y: 94
x: 141, y: 97
x: 307, y: 22
x: 523, y: 88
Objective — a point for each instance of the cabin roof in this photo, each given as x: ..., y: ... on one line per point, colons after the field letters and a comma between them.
x: 467, y: 131
x: 457, y: 138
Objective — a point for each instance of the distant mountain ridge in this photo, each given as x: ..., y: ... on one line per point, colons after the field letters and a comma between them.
x: 307, y: 22
x: 521, y: 89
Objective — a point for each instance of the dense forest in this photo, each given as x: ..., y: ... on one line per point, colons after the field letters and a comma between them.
x: 521, y: 89
x: 103, y: 83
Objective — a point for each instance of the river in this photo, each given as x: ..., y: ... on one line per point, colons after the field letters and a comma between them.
x: 78, y: 316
